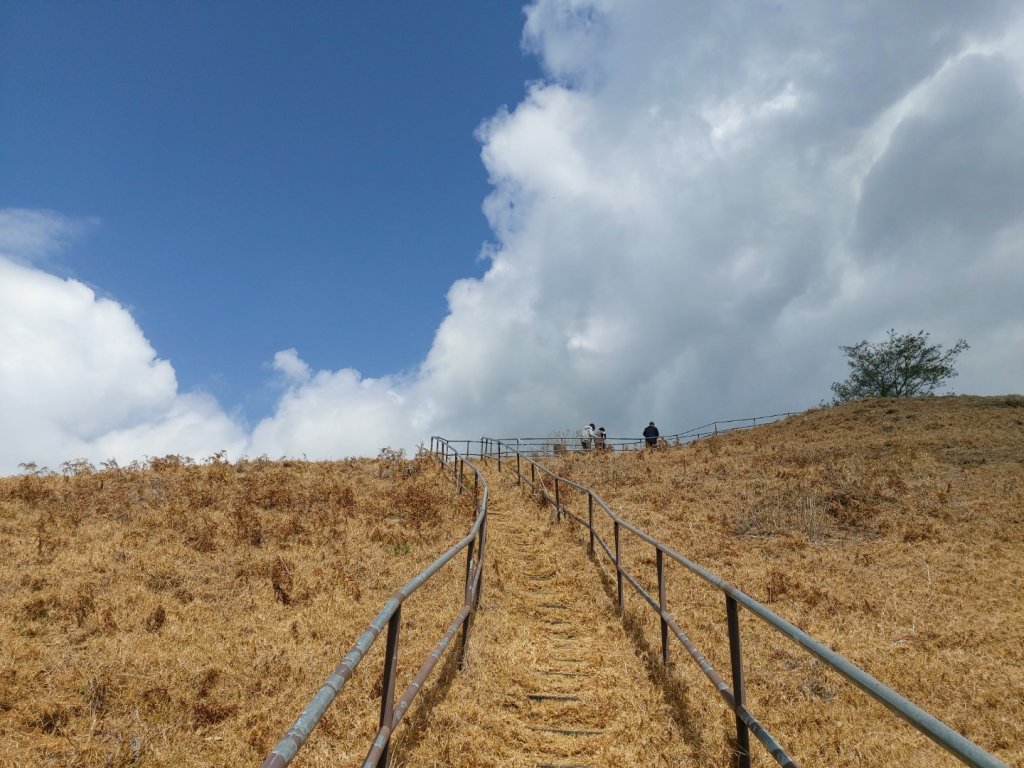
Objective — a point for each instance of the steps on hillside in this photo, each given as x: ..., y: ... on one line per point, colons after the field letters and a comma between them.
x: 553, y: 681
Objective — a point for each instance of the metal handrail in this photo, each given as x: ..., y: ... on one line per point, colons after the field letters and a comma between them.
x: 389, y: 618
x: 746, y: 722
x: 546, y: 446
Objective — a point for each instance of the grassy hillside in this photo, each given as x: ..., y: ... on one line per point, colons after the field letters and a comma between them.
x: 184, y: 615
x: 891, y: 530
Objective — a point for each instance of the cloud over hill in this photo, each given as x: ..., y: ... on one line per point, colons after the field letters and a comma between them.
x: 689, y: 214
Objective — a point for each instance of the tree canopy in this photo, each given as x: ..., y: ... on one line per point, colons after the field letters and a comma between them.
x: 904, y: 365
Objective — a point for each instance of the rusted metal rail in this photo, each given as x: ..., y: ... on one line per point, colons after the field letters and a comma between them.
x: 539, y: 478
x: 390, y: 619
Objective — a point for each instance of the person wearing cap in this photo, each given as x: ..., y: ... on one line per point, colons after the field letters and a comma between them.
x: 599, y: 439
x: 651, y: 434
x: 587, y: 436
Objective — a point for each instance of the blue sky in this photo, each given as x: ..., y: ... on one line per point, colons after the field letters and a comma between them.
x: 261, y: 175
x: 257, y: 227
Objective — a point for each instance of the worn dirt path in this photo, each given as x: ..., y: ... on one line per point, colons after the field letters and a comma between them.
x: 553, y: 681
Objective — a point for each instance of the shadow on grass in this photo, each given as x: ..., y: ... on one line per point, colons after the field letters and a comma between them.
x: 676, y: 691
x: 413, y: 726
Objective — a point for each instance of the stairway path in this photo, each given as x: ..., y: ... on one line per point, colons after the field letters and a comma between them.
x: 552, y: 679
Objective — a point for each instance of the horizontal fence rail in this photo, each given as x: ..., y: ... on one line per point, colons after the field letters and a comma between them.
x: 389, y: 620
x: 547, y: 446
x: 538, y: 478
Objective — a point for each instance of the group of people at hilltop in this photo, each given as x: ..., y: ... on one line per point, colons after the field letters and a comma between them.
x: 591, y: 436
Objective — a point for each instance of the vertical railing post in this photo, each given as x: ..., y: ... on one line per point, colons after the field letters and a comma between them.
x: 739, y: 697
x: 469, y: 596
x: 519, y: 474
x: 499, y: 455
x: 662, y: 603
x: 533, y: 475
x: 590, y: 516
x: 387, y: 702
x: 618, y: 567
x: 480, y: 559
x: 558, y: 501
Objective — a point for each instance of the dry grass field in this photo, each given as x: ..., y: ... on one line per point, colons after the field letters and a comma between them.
x: 890, y: 530
x: 178, y: 615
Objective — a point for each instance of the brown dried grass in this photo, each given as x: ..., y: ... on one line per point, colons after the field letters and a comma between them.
x: 179, y: 614
x: 890, y: 530
x: 552, y: 678
x: 183, y: 615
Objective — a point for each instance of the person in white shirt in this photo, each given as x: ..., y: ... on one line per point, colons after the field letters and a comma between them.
x: 587, y: 436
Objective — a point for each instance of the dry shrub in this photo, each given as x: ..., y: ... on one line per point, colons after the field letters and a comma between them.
x: 281, y: 580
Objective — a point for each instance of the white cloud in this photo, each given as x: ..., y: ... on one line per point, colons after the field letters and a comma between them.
x: 78, y: 378
x: 287, y: 362
x: 27, y: 235
x: 690, y: 215
x: 335, y: 414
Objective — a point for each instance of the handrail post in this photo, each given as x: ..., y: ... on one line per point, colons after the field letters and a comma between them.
x: 499, y: 455
x: 387, y: 703
x: 533, y: 475
x: 483, y: 535
x: 590, y: 516
x: 618, y: 567
x: 519, y: 474
x: 739, y: 697
x: 558, y: 501
x: 469, y: 596
x: 662, y: 603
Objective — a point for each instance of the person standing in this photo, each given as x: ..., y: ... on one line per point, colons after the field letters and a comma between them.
x: 651, y: 435
x: 587, y: 436
x: 599, y: 439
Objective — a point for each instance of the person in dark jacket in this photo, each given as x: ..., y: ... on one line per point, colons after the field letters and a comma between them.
x: 651, y: 435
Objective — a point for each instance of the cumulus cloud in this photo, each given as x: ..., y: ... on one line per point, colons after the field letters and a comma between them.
x: 690, y: 213
x: 702, y: 202
x: 336, y: 414
x: 78, y: 379
x: 288, y: 363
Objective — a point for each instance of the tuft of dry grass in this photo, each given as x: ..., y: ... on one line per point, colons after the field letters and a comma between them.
x: 890, y: 530
x: 184, y: 614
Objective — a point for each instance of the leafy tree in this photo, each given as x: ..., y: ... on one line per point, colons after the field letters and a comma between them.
x: 905, y: 365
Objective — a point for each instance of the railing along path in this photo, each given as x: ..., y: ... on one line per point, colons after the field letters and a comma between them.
x: 547, y: 446
x: 390, y: 618
x: 514, y: 456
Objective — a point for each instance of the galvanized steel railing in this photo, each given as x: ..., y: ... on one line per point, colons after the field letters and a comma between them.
x: 546, y: 446
x: 390, y: 618
x: 734, y: 697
